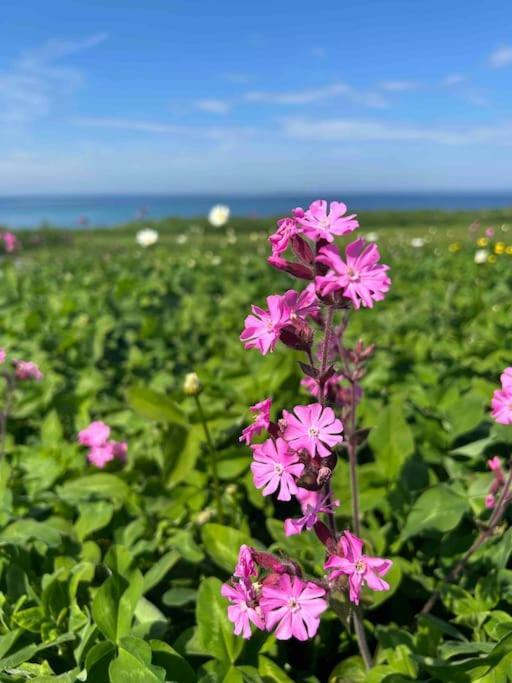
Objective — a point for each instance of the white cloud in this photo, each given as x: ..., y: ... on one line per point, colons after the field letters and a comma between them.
x: 452, y: 80
x: 214, y: 106
x: 501, y: 57
x: 355, y: 130
x: 135, y: 125
x: 400, y: 86
x: 309, y: 96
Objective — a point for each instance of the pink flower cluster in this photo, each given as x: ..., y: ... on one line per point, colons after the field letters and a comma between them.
x: 26, y: 369
x: 502, y: 399
x: 101, y: 449
x: 9, y: 240
x: 498, y: 481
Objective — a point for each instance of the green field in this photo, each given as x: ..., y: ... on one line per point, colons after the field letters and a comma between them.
x: 120, y: 569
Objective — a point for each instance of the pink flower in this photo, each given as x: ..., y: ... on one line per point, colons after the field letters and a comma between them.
x: 301, y: 304
x: 10, y: 241
x: 25, y: 369
x: 295, y: 606
x: 244, y: 609
x: 502, y: 399
x: 494, y: 464
x: 287, y: 228
x: 100, y: 455
x: 310, y: 517
x: 275, y: 466
x: 314, y: 428
x: 261, y: 420
x: 262, y: 328
x: 3, y: 355
x: 490, y: 501
x: 489, y: 232
x: 96, y: 434
x: 361, y: 278
x: 320, y: 223
x: 361, y: 569
x: 120, y: 449
x: 245, y: 567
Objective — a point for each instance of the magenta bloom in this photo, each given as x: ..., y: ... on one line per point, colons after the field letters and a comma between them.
x: 310, y: 516
x: 3, y: 355
x: 275, y: 466
x: 490, y: 501
x: 96, y: 434
x: 244, y: 609
x: 9, y: 240
x: 262, y: 328
x: 314, y: 428
x: 322, y: 223
x: 502, y: 399
x: 120, y: 449
x: 295, y: 606
x: 301, y: 304
x: 261, y: 420
x: 100, y: 455
x: 287, y: 228
x: 361, y: 278
x: 245, y: 566
x: 25, y: 369
x: 361, y: 569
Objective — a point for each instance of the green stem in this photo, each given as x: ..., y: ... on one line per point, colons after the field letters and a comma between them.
x: 213, y: 459
x: 4, y: 414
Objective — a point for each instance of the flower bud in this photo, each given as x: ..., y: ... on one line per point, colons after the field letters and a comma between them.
x: 192, y: 385
x: 296, y: 269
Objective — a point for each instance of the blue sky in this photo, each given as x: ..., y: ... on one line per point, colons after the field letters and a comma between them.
x: 224, y: 96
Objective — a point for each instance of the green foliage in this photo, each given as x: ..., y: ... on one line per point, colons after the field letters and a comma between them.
x: 114, y: 576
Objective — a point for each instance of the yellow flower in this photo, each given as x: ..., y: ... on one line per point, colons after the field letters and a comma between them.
x: 499, y: 248
x: 482, y: 241
x: 192, y: 385
x: 491, y: 259
x: 454, y: 247
x: 508, y: 250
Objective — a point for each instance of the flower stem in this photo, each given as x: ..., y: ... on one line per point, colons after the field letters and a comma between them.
x: 331, y: 519
x: 4, y: 413
x: 495, y: 519
x: 213, y: 459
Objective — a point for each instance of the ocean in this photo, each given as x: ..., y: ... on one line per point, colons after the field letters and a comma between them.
x: 73, y: 211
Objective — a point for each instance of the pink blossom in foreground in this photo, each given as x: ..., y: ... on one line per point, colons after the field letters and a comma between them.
x: 361, y: 569
x: 3, y: 355
x: 301, y: 304
x: 498, y: 481
x: 9, y: 240
x: 313, y: 428
x: 26, y: 369
x: 360, y: 278
x: 501, y: 403
x: 294, y: 606
x: 96, y: 434
x: 245, y: 566
x: 323, y: 222
x: 310, y: 516
x: 262, y: 328
x: 100, y: 455
x: 287, y: 228
x: 275, y: 466
x: 261, y: 420
x: 244, y: 609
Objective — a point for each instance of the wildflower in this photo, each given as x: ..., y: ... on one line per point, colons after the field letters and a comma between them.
x: 287, y: 228
x: 100, y: 455
x: 491, y: 259
x: 313, y: 428
x: 147, y: 237
x: 310, y: 516
x: 9, y: 240
x: 508, y: 250
x: 219, y: 215
x: 96, y: 434
x: 481, y: 256
x: 499, y: 248
x: 361, y: 278
x: 454, y: 247
x: 192, y: 385
x: 319, y: 222
x: 275, y: 466
x: 294, y: 606
x: 120, y: 450
x: 261, y: 421
x: 482, y: 242
x: 244, y: 609
x: 262, y: 328
x: 245, y: 567
x: 3, y: 355
x: 372, y: 236
x: 361, y: 569
x: 489, y: 232
x: 490, y: 501
x: 300, y: 305
x: 26, y: 369
x: 417, y: 242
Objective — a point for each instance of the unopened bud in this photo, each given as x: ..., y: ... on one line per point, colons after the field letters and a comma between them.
x: 192, y: 385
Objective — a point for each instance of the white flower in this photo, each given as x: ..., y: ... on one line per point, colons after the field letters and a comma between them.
x: 417, y: 242
x: 372, y: 236
x: 219, y: 215
x: 147, y: 237
x: 481, y: 256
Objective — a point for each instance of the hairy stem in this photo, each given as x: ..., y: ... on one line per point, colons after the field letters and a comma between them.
x: 482, y: 537
x: 213, y: 459
x: 331, y: 519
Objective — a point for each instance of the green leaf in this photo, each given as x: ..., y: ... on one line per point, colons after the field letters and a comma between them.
x: 25, y: 530
x: 391, y: 440
x: 93, y: 516
x: 178, y: 597
x: 114, y: 605
x: 133, y: 663
x: 214, y: 630
x: 177, y: 668
x: 158, y: 571
x: 222, y: 544
x: 101, y: 485
x: 437, y: 509
x: 151, y: 405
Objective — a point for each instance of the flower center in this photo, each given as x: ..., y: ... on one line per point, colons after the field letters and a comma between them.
x: 278, y: 468
x: 313, y: 431
x: 360, y: 566
x: 293, y: 605
x: 353, y: 276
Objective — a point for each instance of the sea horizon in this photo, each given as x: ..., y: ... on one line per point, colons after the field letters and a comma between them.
x: 109, y: 209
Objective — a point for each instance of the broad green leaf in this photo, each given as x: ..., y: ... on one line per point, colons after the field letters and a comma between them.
x: 222, y: 544
x: 214, y: 630
x: 114, y: 605
x: 437, y: 509
x: 176, y: 667
x: 391, y: 440
x: 151, y: 405
x: 133, y: 663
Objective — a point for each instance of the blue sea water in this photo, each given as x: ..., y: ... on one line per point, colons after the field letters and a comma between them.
x: 107, y: 210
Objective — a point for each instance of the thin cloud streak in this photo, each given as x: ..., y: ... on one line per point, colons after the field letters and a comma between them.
x: 501, y: 57
x: 400, y: 86
x: 309, y: 96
